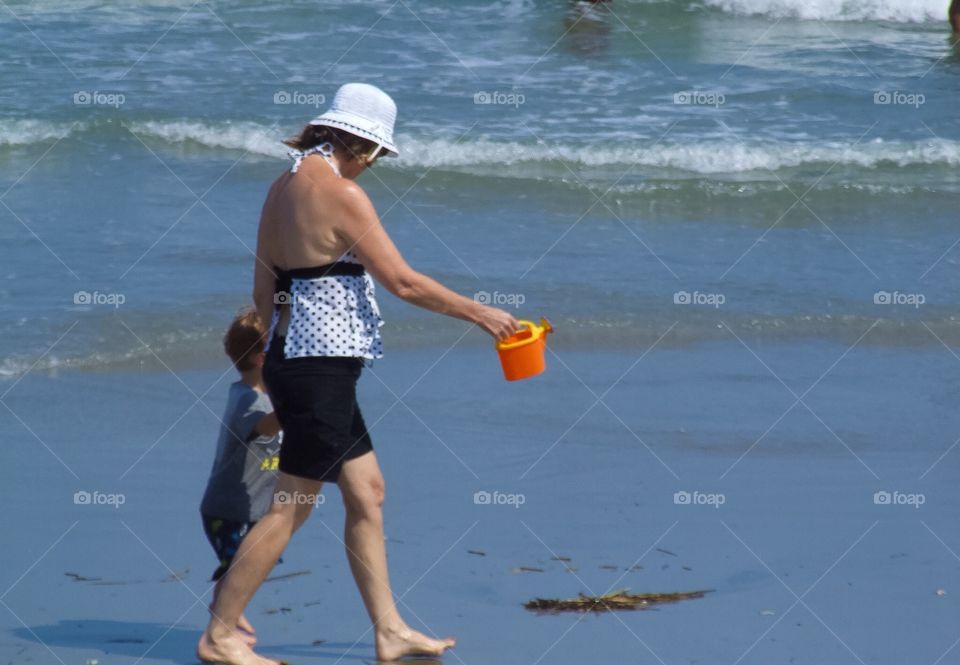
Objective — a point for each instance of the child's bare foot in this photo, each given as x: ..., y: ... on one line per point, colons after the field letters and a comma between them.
x: 397, y: 643
x: 228, y: 649
x: 244, y: 624
x: 245, y: 628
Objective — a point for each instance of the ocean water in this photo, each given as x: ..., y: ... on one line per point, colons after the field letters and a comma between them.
x: 782, y: 162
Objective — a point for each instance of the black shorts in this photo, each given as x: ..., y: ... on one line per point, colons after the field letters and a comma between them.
x: 315, y: 399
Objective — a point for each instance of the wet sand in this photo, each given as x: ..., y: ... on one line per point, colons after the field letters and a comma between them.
x: 803, y: 563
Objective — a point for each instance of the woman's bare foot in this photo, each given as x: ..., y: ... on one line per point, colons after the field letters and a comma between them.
x: 229, y: 649
x: 397, y: 643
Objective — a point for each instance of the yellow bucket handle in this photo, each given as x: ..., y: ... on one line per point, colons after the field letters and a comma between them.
x: 535, y: 331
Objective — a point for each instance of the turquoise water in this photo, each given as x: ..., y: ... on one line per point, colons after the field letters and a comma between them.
x: 793, y: 158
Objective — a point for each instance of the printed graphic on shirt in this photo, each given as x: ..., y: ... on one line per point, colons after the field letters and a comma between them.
x: 272, y: 461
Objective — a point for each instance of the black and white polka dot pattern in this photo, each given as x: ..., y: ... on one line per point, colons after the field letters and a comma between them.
x: 334, y: 316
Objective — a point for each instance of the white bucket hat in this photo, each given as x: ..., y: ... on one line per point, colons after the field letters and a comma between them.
x: 365, y: 111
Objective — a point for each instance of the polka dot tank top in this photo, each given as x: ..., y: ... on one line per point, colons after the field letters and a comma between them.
x: 333, y: 308
x: 333, y: 311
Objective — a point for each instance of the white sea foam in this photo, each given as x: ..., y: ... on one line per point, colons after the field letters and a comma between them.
x: 709, y: 157
x: 706, y: 157
x: 900, y: 11
x: 246, y: 136
x: 25, y: 132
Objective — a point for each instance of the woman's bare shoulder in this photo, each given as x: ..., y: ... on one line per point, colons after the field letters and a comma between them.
x: 351, y: 196
x: 279, y: 183
x: 273, y: 191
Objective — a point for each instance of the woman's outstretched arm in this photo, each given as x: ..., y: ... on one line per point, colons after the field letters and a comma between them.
x: 358, y: 224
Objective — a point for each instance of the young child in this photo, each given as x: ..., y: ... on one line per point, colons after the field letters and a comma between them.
x: 241, y: 485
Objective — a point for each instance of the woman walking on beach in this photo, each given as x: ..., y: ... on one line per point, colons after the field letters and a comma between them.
x: 318, y: 244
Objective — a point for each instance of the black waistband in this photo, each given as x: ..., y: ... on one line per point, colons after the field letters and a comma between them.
x: 285, y: 277
x: 275, y: 353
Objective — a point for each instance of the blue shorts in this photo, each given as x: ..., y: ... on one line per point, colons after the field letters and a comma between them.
x: 225, y: 537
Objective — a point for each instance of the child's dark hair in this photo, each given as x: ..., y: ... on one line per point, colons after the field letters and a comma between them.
x: 245, y: 338
x: 313, y: 135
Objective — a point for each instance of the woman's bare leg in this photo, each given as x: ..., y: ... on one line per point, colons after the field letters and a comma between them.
x: 243, y: 623
x: 258, y: 553
x: 361, y: 484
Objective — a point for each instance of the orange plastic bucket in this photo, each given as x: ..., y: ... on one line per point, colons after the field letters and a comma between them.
x: 522, y: 354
